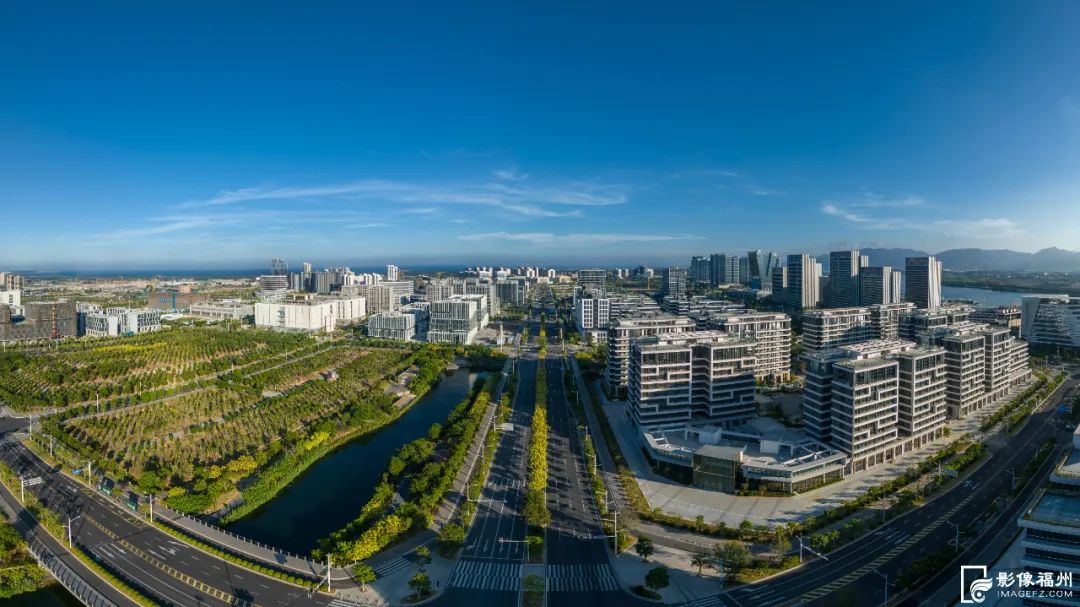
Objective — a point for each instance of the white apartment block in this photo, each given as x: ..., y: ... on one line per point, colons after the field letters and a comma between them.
x: 1051, y: 320
x: 622, y: 332
x: 921, y: 406
x: 874, y: 400
x: 347, y: 309
x: 885, y: 318
x: 458, y: 320
x: 12, y: 297
x: 99, y: 324
x: 965, y: 363
x: 392, y: 325
x: 693, y: 378
x: 835, y: 327
x: 391, y: 272
x: 772, y: 333
x: 133, y: 321
x: 922, y: 325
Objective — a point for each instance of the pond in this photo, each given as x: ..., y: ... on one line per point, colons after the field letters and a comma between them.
x: 331, y: 492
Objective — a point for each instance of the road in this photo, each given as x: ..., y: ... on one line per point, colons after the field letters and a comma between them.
x: 489, y: 571
x: 579, y: 569
x: 855, y: 574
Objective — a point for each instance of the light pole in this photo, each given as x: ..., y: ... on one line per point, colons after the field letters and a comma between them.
x: 328, y: 573
x: 71, y: 520
x: 886, y: 577
x: 957, y: 527
x: 1013, y: 474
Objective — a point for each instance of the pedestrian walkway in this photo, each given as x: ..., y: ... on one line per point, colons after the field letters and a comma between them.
x: 486, y: 575
x: 708, y: 601
x: 388, y: 567
x: 684, y: 583
x: 581, y: 578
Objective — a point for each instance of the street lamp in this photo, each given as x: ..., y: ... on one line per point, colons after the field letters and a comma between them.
x: 957, y: 527
x: 71, y: 520
x: 886, y: 577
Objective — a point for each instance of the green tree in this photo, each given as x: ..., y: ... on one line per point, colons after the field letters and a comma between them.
x: 657, y: 578
x: 451, y: 537
x: 420, y: 584
x: 533, y: 583
x: 700, y: 559
x: 363, y: 574
x: 733, y: 555
x: 423, y: 556
x: 644, y: 548
x: 149, y: 482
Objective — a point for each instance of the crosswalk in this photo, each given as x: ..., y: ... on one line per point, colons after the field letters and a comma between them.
x: 386, y: 568
x: 705, y: 601
x: 340, y: 602
x: 581, y: 578
x: 486, y: 575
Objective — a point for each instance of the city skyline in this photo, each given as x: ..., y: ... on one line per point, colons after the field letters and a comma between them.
x: 638, y: 137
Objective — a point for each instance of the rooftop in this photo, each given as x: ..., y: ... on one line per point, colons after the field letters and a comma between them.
x: 1056, y: 509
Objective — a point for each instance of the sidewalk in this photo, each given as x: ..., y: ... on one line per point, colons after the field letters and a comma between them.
x: 392, y: 588
x: 685, y: 584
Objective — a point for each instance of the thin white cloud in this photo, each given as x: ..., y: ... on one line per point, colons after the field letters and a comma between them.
x: 988, y: 228
x: 514, y: 199
x: 364, y: 226
x: 421, y: 211
x: 511, y: 174
x: 169, y: 227
x: 548, y: 238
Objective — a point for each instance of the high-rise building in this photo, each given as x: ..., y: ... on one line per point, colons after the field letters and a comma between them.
x: 844, y: 269
x: 803, y: 277
x: 278, y: 267
x: 762, y: 266
x: 10, y: 282
x: 622, y: 331
x: 923, y: 282
x: 744, y: 271
x: 391, y: 272
x: 674, y: 281
x: 922, y: 325
x: 699, y: 269
x: 1051, y: 320
x: 723, y: 269
x: 878, y: 285
x: 694, y: 378
x: 780, y: 285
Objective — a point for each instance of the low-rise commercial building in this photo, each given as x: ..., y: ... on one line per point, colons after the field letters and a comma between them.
x: 136, y: 321
x: 1051, y: 320
x: 458, y: 319
x: 222, y: 310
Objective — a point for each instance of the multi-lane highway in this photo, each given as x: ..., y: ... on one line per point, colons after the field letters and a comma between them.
x: 856, y: 574
x: 489, y: 571
x: 166, y: 570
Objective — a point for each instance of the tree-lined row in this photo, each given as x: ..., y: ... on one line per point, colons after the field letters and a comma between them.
x: 423, y: 471
x: 536, y: 511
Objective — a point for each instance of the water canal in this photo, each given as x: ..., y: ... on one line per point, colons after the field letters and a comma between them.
x: 332, y: 491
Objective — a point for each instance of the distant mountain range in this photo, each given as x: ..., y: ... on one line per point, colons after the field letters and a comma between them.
x: 1047, y: 260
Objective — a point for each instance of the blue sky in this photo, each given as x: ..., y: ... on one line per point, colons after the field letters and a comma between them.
x: 203, y: 134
